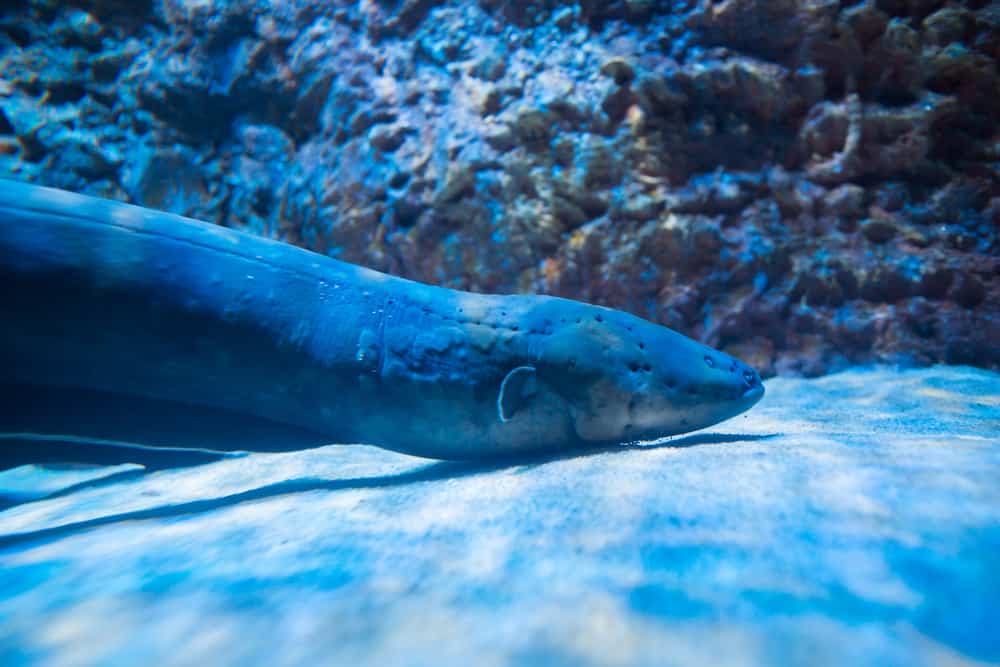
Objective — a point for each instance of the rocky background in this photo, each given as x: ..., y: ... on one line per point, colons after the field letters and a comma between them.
x: 808, y: 184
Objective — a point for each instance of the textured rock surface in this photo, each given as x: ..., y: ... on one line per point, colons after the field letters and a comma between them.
x: 853, y: 519
x: 811, y: 184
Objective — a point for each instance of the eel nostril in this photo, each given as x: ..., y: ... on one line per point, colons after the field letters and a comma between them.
x: 750, y: 378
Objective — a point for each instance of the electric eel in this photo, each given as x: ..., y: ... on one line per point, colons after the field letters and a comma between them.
x: 135, y: 325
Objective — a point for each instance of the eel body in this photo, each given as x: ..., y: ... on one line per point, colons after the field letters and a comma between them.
x: 128, y: 323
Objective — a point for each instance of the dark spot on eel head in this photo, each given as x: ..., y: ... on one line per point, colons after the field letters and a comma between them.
x: 642, y: 346
x: 599, y: 317
x: 633, y: 366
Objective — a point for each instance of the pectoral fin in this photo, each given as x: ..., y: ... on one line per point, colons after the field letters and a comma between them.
x: 517, y: 388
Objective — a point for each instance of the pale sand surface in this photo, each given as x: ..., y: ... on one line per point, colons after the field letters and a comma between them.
x: 850, y: 520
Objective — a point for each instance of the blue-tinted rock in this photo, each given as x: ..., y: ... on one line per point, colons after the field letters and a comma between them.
x: 785, y: 122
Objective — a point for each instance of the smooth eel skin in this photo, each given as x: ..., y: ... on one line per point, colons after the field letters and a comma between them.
x: 128, y: 323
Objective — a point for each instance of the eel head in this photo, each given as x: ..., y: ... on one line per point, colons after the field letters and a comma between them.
x: 626, y: 379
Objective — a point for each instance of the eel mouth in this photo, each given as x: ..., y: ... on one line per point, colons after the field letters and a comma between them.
x: 753, y: 394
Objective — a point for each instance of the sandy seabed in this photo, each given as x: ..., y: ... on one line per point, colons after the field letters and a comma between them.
x: 849, y: 520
